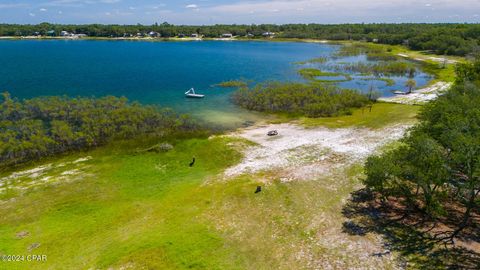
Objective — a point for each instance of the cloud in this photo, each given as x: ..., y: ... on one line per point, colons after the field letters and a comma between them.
x: 191, y: 6
x: 43, y: 9
x: 339, y: 11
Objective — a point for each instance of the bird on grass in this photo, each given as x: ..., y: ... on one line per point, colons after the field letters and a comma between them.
x: 192, y: 163
x: 259, y: 189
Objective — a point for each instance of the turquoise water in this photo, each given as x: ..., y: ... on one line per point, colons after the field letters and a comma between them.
x: 154, y: 72
x: 150, y: 72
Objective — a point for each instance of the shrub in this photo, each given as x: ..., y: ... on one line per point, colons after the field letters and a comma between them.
x: 313, y: 100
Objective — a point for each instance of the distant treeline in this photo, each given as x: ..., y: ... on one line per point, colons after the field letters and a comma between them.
x: 451, y: 39
x: 40, y: 127
x: 312, y: 100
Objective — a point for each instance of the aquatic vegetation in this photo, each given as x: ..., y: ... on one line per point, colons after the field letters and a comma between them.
x: 313, y: 74
x: 379, y: 69
x: 389, y: 81
x: 381, y: 56
x: 372, y: 51
x: 312, y: 100
x: 318, y: 60
x: 233, y: 83
x: 358, y: 49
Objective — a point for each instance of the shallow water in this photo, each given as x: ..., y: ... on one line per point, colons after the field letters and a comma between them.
x: 155, y: 72
x: 364, y: 83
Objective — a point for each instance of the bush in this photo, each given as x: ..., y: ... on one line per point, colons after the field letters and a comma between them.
x: 40, y: 127
x: 312, y: 100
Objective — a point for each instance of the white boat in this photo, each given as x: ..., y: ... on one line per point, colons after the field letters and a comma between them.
x: 191, y: 94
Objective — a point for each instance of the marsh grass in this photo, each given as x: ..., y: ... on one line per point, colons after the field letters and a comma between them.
x: 318, y: 60
x: 316, y: 75
x: 380, y: 68
x: 388, y: 81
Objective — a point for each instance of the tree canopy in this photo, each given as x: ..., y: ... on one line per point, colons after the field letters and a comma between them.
x: 438, y: 163
x: 34, y: 128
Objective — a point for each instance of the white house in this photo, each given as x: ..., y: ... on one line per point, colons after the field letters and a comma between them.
x: 154, y: 34
x: 268, y: 34
x: 227, y: 35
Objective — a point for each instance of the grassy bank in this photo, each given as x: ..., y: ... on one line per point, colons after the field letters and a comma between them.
x: 121, y: 207
x: 381, y: 115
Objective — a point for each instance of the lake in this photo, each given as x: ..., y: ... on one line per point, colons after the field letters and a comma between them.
x: 158, y: 72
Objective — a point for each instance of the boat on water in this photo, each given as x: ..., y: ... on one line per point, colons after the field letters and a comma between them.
x: 191, y: 94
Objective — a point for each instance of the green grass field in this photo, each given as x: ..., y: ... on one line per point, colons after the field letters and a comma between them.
x: 130, y: 210
x: 382, y: 114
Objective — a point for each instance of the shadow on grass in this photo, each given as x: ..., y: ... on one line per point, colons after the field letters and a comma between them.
x: 416, y: 246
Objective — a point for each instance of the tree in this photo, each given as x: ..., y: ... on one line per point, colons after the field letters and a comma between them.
x: 410, y: 84
x: 438, y: 163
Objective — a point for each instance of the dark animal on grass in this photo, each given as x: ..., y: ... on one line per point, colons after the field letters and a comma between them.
x: 192, y: 163
x: 259, y: 189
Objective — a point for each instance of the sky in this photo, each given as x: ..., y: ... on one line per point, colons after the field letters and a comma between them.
x: 206, y: 12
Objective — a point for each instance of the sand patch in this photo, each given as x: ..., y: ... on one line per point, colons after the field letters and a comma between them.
x: 420, y: 96
x: 49, y: 174
x: 305, y: 153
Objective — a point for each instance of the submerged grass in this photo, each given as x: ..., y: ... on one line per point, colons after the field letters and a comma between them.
x: 441, y: 72
x: 315, y: 75
x: 388, y: 81
x: 318, y: 60
x: 233, y: 84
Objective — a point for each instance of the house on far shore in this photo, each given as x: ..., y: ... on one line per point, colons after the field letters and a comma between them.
x: 249, y: 35
x: 36, y: 34
x: 268, y: 34
x: 194, y: 35
x: 227, y: 35
x: 181, y: 35
x: 50, y: 33
x: 64, y: 34
x: 154, y: 34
